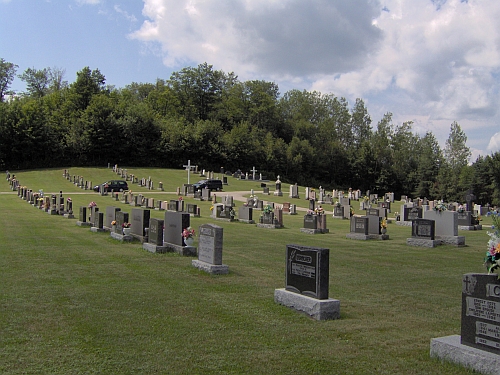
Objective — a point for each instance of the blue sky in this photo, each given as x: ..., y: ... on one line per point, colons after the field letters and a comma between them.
x: 427, y: 61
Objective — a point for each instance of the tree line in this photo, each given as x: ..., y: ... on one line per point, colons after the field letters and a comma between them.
x: 216, y: 120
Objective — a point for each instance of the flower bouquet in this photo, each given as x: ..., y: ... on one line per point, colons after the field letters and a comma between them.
x: 440, y: 207
x: 492, y: 259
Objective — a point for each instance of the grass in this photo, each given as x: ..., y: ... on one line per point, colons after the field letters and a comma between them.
x: 76, y: 302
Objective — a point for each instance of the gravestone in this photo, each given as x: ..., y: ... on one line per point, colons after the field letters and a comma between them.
x: 210, y: 250
x: 423, y: 233
x: 139, y: 223
x: 155, y: 237
x: 110, y: 216
x: 82, y: 217
x: 120, y: 218
x: 174, y: 224
x: 155, y: 234
x: 192, y: 209
x: 360, y: 229
x: 306, y: 283
x: 446, y: 227
x: 245, y: 214
x: 307, y: 271
x: 294, y: 191
x: 97, y: 225
x: 478, y: 345
x: 412, y: 213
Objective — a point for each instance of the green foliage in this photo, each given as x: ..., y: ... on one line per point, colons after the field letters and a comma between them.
x: 215, y: 120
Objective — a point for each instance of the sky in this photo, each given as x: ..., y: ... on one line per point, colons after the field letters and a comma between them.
x: 431, y: 62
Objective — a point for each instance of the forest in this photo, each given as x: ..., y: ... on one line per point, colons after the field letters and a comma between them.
x: 215, y: 120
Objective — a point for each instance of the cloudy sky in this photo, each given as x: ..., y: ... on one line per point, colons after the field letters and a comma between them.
x: 427, y: 61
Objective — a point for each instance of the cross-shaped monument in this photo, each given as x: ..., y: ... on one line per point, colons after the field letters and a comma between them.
x: 188, y: 168
x: 253, y: 171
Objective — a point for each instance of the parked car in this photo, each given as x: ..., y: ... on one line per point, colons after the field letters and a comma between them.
x: 209, y: 184
x: 112, y: 186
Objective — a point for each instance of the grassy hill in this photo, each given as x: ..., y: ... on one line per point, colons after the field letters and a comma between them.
x: 77, y: 302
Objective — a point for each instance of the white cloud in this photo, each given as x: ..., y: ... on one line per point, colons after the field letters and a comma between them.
x: 494, y: 144
x: 125, y: 14
x: 90, y: 2
x: 437, y: 61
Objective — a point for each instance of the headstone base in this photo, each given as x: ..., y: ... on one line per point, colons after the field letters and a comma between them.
x: 314, y: 231
x: 339, y: 217
x: 471, y: 227
x: 187, y: 251
x: 278, y: 193
x: 247, y: 221
x: 450, y: 349
x: 121, y: 237
x: 52, y: 212
x: 319, y: 309
x: 213, y: 269
x: 69, y: 216
x: 83, y: 223
x: 269, y: 226
x: 223, y: 219
x: 384, y: 237
x: 95, y: 229
x: 422, y: 242
x: 451, y: 240
x: 404, y: 223
x: 152, y: 248
x: 359, y: 236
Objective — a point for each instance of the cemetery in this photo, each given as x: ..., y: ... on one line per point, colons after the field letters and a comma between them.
x: 157, y: 269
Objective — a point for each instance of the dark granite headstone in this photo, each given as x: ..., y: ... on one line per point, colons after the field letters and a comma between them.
x: 155, y: 235
x: 373, y: 212
x: 310, y: 222
x: 481, y: 312
x: 423, y: 228
x: 359, y: 224
x: 121, y: 218
x: 175, y: 223
x: 82, y: 216
x: 210, y: 244
x: 464, y: 218
x: 192, y: 209
x: 98, y: 220
x: 307, y: 271
x: 140, y: 221
x: 412, y: 213
x: 338, y: 211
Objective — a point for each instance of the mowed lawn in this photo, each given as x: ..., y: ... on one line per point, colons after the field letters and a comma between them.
x: 77, y: 302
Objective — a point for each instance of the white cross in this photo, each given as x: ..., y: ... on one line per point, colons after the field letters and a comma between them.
x: 188, y: 167
x: 253, y: 170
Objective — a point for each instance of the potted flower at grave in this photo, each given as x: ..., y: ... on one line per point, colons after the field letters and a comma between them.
x: 351, y: 211
x: 440, y: 207
x: 113, y: 225
x: 92, y: 204
x: 232, y: 213
x: 337, y: 204
x: 267, y: 214
x: 319, y: 211
x: 126, y: 229
x: 383, y: 226
x: 461, y: 209
x: 188, y: 236
x: 492, y: 259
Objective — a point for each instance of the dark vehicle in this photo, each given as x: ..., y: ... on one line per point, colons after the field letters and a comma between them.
x: 208, y: 184
x: 112, y: 186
